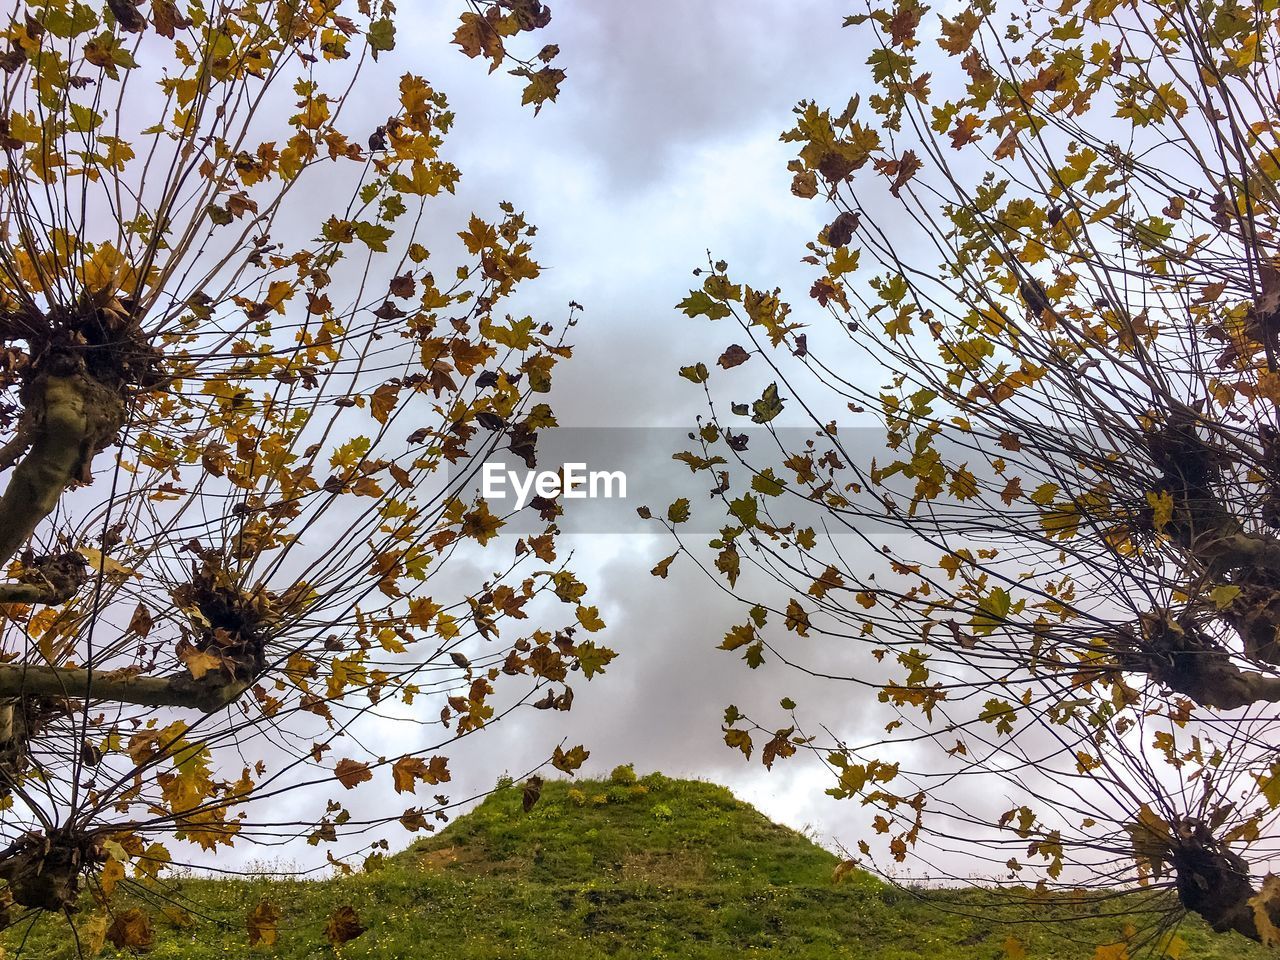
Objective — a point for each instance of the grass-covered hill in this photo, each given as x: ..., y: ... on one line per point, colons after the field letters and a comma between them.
x: 621, y: 869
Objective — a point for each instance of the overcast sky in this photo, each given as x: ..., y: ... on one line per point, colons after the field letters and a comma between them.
x: 663, y: 144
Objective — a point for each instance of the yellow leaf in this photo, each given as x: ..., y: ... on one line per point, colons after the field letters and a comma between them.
x: 1223, y: 595
x: 1044, y: 494
x: 843, y: 869
x: 797, y: 619
x: 278, y: 294
x: 589, y: 617
x: 1062, y: 522
x: 200, y: 662
x: 106, y: 269
x: 262, y: 922
x: 1161, y: 508
x: 1112, y: 951
x: 99, y: 561
x: 1266, y: 904
x: 112, y: 873
x: 93, y: 935
x: 1013, y: 949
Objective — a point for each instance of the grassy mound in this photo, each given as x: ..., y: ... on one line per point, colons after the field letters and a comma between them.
x: 626, y: 869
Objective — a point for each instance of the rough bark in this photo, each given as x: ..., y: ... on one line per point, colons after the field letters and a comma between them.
x: 1187, y: 661
x: 72, y: 417
x: 1214, y: 883
x: 208, y: 694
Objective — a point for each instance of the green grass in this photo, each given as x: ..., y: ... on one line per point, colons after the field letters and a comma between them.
x: 660, y: 868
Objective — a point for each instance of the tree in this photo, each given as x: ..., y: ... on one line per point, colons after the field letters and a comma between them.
x: 1067, y: 588
x: 238, y: 411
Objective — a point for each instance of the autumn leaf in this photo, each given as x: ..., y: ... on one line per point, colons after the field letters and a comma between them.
x: 532, y: 791
x: 131, y: 930
x: 477, y: 36
x: 662, y: 566
x: 768, y: 406
x: 589, y: 618
x: 695, y: 374
x: 840, y: 231
x: 199, y: 662
x: 350, y: 773
x: 382, y: 36
x: 408, y: 771
x: 570, y: 761
x: 1161, y: 504
x: 843, y: 869
x: 901, y: 170
x: 797, y: 619
x: 384, y: 400
x: 965, y: 130
x: 99, y: 561
x: 1223, y: 595
x: 167, y: 18
x: 140, y: 623
x: 733, y: 356
x: 343, y: 926
x: 592, y: 658
x: 739, y: 740
x: 1266, y: 907
x: 698, y: 303
x: 1111, y: 951
x: 112, y: 873
x: 543, y: 85
x: 263, y: 924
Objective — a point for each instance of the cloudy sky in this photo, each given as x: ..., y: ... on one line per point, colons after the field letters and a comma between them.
x: 663, y: 145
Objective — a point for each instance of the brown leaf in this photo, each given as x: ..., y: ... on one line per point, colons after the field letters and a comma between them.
x: 344, y: 925
x: 805, y: 184
x: 402, y: 286
x: 660, y: 569
x: 543, y: 85
x: 965, y: 130
x: 532, y: 791
x: 168, y: 19
x: 130, y: 20
x: 733, y: 356
x: 407, y: 771
x: 383, y: 401
x: 130, y: 930
x: 351, y: 772
x: 901, y: 170
x: 840, y: 231
x: 414, y: 819
x: 140, y: 623
x: 477, y: 36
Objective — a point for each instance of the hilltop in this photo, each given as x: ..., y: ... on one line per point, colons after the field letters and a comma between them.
x: 623, y: 869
